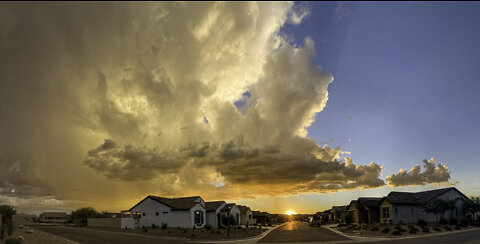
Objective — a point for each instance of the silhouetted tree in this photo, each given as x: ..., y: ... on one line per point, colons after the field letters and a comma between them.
x: 82, y: 214
x: 438, y: 207
x: 472, y: 207
x: 7, y: 213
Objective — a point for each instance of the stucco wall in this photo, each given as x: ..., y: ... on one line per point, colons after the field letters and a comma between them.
x: 150, y: 208
x: 104, y: 222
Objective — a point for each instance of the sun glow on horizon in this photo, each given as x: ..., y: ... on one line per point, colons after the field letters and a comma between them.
x: 290, y: 212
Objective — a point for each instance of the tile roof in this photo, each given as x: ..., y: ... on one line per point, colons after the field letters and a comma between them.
x: 243, y: 209
x: 258, y: 213
x: 415, y: 198
x: 213, y: 206
x: 181, y: 203
x: 339, y: 208
x: 228, y: 206
x: 370, y: 202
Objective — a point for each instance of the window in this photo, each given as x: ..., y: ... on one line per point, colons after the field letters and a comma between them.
x: 143, y: 214
x: 386, y: 212
x: 396, y: 212
x: 156, y: 213
x: 456, y: 212
x: 198, y: 217
x: 165, y: 212
x: 411, y: 210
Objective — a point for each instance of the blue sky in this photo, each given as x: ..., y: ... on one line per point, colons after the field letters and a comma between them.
x: 405, y: 82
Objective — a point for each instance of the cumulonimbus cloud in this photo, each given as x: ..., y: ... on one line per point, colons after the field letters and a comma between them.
x: 108, y: 102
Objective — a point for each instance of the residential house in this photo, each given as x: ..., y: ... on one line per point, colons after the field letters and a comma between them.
x: 261, y: 218
x: 214, y: 215
x: 246, y: 217
x: 364, y: 210
x: 183, y: 212
x: 339, y: 213
x: 326, y: 216
x: 408, y: 207
x: 54, y: 217
x: 231, y: 209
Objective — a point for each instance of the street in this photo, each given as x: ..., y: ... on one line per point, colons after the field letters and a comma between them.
x: 470, y: 237
x: 295, y: 231
x: 85, y: 236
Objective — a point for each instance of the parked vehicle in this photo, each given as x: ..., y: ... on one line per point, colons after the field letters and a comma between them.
x: 315, y: 220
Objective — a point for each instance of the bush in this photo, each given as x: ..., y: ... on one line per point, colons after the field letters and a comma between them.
x: 458, y: 227
x: 386, y: 230
x: 341, y: 225
x: 426, y: 230
x: 447, y: 228
x: 413, y: 231
x: 348, y: 219
x: 209, y: 227
x: 422, y: 222
x: 396, y: 233
x: 437, y: 229
x: 164, y: 226
x: 374, y: 229
x: 13, y: 241
x: 144, y: 229
x: 2, y: 232
x: 465, y: 222
x: 443, y: 221
x: 453, y: 221
x: 397, y: 227
x: 402, y: 230
x: 154, y: 226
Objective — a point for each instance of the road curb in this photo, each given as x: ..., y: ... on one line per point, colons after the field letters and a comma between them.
x: 252, y: 238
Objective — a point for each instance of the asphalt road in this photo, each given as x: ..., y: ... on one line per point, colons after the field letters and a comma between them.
x: 84, y: 236
x: 470, y: 237
x: 295, y: 231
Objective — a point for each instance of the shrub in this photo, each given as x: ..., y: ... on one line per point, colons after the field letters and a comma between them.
x: 447, y: 228
x: 437, y: 229
x: 13, y: 241
x: 239, y: 227
x: 413, y: 231
x: 348, y: 219
x: 458, y: 227
x: 154, y: 226
x: 341, y: 225
x: 374, y: 229
x: 164, y: 226
x: 396, y: 233
x: 397, y: 227
x: 144, y: 229
x: 443, y: 221
x: 465, y: 222
x: 422, y: 222
x: 426, y: 230
x: 218, y: 232
x: 453, y: 221
x: 402, y: 230
x: 209, y: 227
x: 2, y: 233
x: 386, y: 230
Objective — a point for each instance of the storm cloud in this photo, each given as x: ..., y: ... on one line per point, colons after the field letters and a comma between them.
x: 111, y: 101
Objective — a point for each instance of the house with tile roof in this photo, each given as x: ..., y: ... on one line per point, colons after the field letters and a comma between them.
x: 246, y: 216
x: 407, y: 207
x: 338, y: 214
x: 183, y: 212
x: 231, y: 209
x: 214, y: 215
x: 364, y: 210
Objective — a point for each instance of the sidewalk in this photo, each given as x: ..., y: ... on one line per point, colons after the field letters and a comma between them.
x: 248, y: 240
x: 360, y: 239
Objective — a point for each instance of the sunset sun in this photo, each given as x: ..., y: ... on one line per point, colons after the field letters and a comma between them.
x: 290, y: 212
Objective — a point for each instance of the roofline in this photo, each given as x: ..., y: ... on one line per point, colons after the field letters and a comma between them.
x: 172, y: 208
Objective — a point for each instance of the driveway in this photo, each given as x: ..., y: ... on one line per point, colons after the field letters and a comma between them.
x: 85, y: 236
x: 295, y: 231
